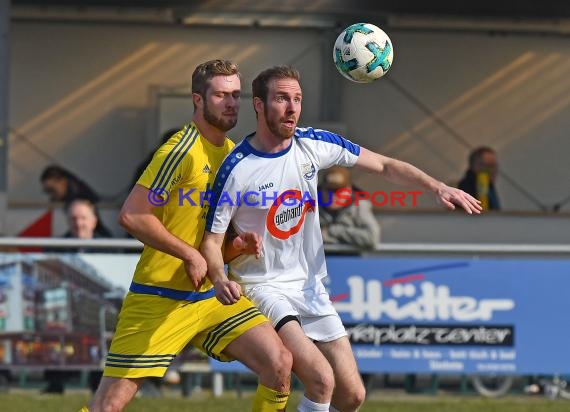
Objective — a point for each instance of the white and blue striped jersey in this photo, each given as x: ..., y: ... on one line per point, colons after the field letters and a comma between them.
x: 275, y: 195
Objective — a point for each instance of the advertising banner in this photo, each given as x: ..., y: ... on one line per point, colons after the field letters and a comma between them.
x: 497, y: 316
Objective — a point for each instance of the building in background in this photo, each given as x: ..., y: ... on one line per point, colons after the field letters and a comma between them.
x: 53, y: 310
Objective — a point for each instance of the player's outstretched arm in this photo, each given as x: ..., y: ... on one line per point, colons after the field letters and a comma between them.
x: 227, y: 291
x: 136, y: 217
x: 406, y: 174
x: 449, y: 197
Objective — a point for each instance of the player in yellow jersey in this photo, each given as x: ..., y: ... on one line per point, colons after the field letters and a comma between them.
x: 171, y: 303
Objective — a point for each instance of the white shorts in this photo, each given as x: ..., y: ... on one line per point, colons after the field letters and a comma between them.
x: 312, y: 307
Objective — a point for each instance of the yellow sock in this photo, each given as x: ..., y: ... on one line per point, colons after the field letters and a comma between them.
x: 268, y: 400
x: 84, y: 409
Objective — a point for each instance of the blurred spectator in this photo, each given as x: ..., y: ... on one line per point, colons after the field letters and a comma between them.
x: 479, y: 179
x: 82, y: 224
x: 342, y: 220
x: 82, y: 220
x: 63, y: 186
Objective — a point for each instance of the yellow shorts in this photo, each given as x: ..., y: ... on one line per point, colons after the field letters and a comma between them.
x: 152, y: 330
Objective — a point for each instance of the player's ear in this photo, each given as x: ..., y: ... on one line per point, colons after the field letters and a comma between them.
x: 197, y: 100
x: 257, y: 105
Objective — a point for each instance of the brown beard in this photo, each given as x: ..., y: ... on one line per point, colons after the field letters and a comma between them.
x: 274, y: 128
x: 218, y: 122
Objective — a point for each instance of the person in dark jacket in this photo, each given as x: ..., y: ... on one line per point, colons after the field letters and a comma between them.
x: 82, y: 223
x: 479, y: 179
x: 350, y: 224
x: 63, y: 186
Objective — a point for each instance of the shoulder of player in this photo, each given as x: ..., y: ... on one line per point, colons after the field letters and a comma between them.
x: 190, y: 145
x: 182, y: 143
x: 235, y: 159
x: 312, y: 134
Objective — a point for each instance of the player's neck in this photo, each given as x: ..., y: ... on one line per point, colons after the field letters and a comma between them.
x: 211, y: 133
x: 266, y: 142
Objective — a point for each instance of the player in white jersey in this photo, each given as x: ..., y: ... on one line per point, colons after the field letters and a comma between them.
x: 268, y: 185
x: 278, y: 201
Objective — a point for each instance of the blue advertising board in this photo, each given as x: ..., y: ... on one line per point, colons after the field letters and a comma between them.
x: 472, y: 316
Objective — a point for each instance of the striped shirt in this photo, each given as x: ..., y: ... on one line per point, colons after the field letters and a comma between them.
x: 181, y: 172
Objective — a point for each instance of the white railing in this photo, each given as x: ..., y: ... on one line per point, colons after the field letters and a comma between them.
x: 66, y: 243
x: 383, y: 248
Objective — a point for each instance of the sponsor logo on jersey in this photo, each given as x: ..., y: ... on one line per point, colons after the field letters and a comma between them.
x: 287, y: 214
x: 265, y: 186
x: 175, y: 180
x: 206, y: 169
x: 308, y: 171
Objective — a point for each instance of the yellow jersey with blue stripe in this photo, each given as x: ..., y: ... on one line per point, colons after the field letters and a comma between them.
x: 181, y: 172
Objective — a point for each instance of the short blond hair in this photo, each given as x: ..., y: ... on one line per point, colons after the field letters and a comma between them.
x: 207, y: 70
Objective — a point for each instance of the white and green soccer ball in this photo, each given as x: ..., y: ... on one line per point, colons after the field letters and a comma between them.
x: 363, y: 53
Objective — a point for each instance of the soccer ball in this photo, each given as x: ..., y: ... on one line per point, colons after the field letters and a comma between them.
x: 363, y: 53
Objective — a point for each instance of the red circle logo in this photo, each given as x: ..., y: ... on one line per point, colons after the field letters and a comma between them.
x: 303, y: 208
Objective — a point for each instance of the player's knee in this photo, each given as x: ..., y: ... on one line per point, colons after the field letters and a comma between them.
x: 282, y: 363
x: 322, y: 382
x: 277, y: 366
x: 360, y: 396
x: 354, y: 399
x: 327, y: 384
